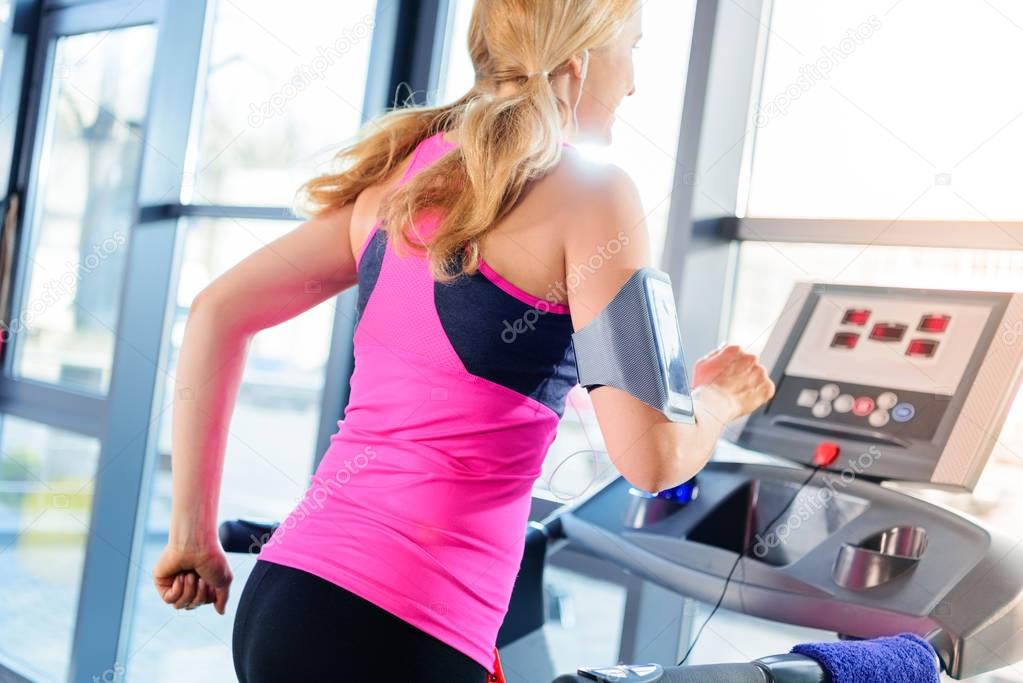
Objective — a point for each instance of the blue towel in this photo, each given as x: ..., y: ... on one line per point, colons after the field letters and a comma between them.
x: 905, y: 658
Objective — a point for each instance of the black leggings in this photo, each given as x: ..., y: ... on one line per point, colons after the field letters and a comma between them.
x: 294, y: 626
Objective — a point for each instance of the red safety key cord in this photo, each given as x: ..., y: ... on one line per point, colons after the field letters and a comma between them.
x: 826, y: 454
x: 498, y: 675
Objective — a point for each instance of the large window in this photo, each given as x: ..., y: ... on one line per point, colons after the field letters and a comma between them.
x: 890, y: 109
x: 645, y: 144
x: 284, y: 89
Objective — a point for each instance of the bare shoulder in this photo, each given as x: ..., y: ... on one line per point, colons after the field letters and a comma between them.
x: 600, y: 203
x: 365, y: 213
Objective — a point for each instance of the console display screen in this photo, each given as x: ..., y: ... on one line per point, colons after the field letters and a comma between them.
x: 921, y: 345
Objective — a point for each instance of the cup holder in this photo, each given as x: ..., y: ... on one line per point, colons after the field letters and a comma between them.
x: 879, y: 558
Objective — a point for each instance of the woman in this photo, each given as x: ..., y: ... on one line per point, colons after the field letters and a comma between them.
x: 479, y: 239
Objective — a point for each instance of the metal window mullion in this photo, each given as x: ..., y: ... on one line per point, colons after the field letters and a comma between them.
x: 54, y: 406
x: 122, y: 486
x: 952, y: 234
x: 719, y: 89
x: 99, y: 15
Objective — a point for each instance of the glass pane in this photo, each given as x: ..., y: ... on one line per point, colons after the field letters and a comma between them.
x: 82, y: 206
x: 5, y: 25
x: 458, y: 74
x: 584, y: 620
x: 645, y: 142
x: 46, y: 480
x: 882, y: 109
x: 268, y: 461
x: 284, y: 89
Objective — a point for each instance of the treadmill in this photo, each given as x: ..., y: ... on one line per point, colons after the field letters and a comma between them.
x: 874, y: 385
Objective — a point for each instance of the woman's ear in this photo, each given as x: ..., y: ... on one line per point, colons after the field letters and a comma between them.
x: 578, y: 65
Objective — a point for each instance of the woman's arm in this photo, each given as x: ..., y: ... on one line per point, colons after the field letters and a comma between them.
x: 286, y: 277
x: 603, y: 249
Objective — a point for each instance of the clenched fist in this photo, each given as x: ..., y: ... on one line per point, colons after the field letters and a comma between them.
x: 190, y: 578
x: 736, y: 375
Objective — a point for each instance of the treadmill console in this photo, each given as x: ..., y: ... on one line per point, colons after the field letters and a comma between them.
x: 905, y: 384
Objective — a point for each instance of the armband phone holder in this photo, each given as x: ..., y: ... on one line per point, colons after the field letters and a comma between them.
x: 635, y: 345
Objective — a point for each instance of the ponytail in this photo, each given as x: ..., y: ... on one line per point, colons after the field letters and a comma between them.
x: 506, y: 141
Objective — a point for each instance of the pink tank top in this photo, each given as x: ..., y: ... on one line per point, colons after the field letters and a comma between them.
x: 421, y: 501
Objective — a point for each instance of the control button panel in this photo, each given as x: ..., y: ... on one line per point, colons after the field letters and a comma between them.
x: 900, y: 413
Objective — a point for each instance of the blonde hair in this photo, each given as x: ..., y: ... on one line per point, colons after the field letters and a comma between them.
x: 505, y: 141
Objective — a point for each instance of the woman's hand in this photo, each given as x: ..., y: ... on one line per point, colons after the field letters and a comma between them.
x: 738, y: 377
x: 188, y: 578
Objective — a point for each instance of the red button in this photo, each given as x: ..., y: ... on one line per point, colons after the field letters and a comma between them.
x: 864, y: 406
x: 826, y: 453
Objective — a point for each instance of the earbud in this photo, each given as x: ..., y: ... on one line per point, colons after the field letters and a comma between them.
x: 582, y: 80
